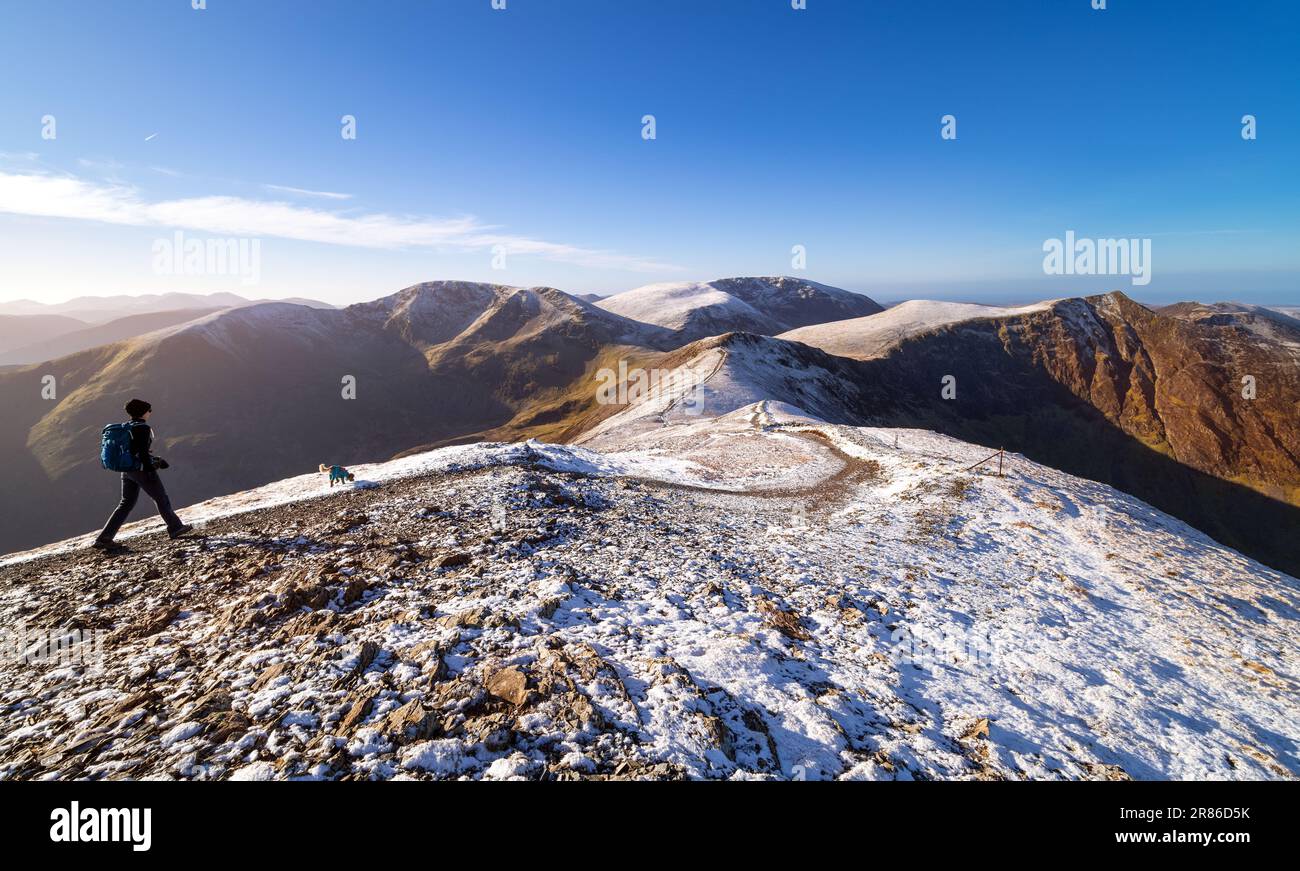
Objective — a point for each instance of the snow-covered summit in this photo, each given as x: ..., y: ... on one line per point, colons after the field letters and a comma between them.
x: 756, y: 305
x: 871, y: 336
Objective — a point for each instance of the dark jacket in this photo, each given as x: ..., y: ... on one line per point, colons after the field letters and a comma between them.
x: 141, y: 442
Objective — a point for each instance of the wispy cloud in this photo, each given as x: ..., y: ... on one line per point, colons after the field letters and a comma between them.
x: 1198, y: 233
x: 61, y: 196
x: 303, y: 192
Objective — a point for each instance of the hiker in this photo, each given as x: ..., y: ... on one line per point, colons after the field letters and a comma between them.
x: 125, y: 449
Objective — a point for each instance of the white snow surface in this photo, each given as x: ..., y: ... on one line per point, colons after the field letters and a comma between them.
x: 677, y: 305
x: 1090, y: 629
x: 873, y: 336
x: 719, y: 381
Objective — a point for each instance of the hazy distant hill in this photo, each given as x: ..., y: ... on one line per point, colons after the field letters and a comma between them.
x: 87, y: 337
x: 18, y: 330
x: 99, y: 309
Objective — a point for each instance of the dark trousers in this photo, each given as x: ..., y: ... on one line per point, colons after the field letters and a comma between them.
x: 132, y: 484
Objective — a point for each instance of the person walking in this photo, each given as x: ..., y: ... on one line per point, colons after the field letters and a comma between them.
x: 142, y: 475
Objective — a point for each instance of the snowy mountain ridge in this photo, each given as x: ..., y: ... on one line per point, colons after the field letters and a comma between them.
x: 873, y: 335
x: 766, y: 306
x: 753, y: 595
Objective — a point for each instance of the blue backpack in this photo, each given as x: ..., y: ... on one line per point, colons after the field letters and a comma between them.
x: 115, y: 449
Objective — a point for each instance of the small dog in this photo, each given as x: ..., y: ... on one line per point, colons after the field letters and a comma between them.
x: 337, y: 473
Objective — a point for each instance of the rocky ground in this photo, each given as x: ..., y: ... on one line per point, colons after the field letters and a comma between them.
x: 520, y: 619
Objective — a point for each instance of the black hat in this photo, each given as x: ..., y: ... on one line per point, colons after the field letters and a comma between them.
x: 138, y: 408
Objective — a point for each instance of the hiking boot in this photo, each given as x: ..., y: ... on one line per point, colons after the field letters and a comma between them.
x: 181, y: 531
x: 108, y: 546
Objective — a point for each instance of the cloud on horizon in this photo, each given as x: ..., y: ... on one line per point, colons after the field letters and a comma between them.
x: 47, y: 195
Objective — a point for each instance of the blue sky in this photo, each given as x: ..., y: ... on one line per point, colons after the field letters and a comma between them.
x: 482, y: 130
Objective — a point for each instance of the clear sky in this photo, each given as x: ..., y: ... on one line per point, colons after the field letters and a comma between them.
x: 520, y: 130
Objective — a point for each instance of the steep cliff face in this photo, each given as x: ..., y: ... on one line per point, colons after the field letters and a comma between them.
x: 1210, y: 395
x: 1279, y: 324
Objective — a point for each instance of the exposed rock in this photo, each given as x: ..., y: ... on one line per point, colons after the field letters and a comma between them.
x: 978, y: 729
x: 470, y: 618
x: 785, y: 622
x: 452, y: 560
x: 369, y: 650
x: 1100, y: 771
x: 151, y: 625
x: 509, y: 684
x: 411, y: 722
x: 215, y: 701
x: 357, y: 711
x: 270, y: 674
x: 220, y: 726
x: 355, y: 589
x: 640, y: 770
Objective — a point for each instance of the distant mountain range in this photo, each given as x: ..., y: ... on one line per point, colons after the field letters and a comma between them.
x: 32, y: 332
x: 98, y: 309
x: 1150, y: 401
x: 17, y: 331
x: 85, y: 337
